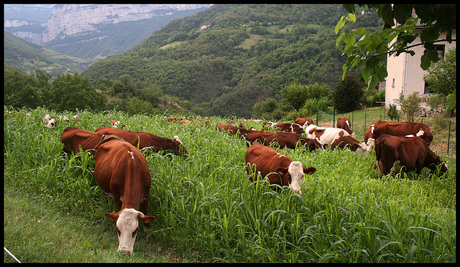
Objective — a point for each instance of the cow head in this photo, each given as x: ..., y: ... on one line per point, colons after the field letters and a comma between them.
x: 366, y: 147
x: 49, y: 121
x: 176, y: 145
x: 127, y: 226
x: 293, y: 175
x: 425, y: 135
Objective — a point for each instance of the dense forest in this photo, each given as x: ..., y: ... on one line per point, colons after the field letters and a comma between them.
x: 229, y: 57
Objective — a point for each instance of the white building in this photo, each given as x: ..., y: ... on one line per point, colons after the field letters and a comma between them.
x: 405, y: 76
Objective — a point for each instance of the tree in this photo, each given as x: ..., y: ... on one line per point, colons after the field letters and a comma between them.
x: 348, y: 93
x: 370, y: 50
x: 295, y: 95
x: 442, y: 76
x: 70, y: 92
x: 410, y: 106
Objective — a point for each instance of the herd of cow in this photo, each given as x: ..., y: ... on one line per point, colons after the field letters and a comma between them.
x: 121, y: 168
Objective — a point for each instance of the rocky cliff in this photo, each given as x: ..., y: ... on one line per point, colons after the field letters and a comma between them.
x: 77, y: 19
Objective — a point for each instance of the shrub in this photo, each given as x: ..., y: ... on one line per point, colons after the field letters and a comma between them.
x: 393, y: 112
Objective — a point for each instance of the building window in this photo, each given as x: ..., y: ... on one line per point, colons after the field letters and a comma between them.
x: 394, y: 82
x: 440, y: 49
x: 427, y: 89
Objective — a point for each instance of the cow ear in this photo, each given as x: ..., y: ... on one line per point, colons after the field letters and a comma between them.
x: 112, y: 216
x: 309, y: 170
x: 282, y: 170
x: 145, y: 218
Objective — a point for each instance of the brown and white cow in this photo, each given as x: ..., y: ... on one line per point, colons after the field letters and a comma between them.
x: 290, y: 140
x: 74, y: 138
x: 283, y: 127
x: 303, y: 121
x: 336, y: 137
x: 49, y: 121
x: 280, y: 169
x: 344, y: 123
x: 144, y: 139
x: 233, y: 130
x: 402, y: 129
x: 393, y: 152
x: 353, y: 144
x: 121, y: 170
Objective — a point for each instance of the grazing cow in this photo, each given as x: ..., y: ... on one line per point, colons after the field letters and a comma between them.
x: 344, y: 123
x: 325, y: 135
x: 144, y: 139
x: 233, y: 130
x: 121, y: 170
x: 73, y: 138
x: 402, y: 129
x: 353, y: 144
x: 303, y: 121
x: 284, y: 127
x: 369, y: 133
x: 289, y: 140
x: 336, y: 137
x: 280, y: 169
x: 393, y: 152
x: 49, y: 121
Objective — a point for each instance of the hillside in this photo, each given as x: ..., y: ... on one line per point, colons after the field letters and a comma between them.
x: 27, y: 57
x: 228, y: 57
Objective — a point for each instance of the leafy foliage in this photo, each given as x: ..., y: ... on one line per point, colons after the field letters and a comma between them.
x: 370, y: 49
x: 442, y: 76
x: 348, y: 93
x: 410, y: 106
x: 393, y: 112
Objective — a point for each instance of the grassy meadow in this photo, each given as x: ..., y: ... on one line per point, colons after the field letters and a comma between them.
x: 207, y: 210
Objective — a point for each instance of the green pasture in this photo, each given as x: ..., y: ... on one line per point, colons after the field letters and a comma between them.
x: 207, y: 210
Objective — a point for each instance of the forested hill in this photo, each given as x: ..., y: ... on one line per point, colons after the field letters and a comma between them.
x: 27, y: 57
x: 228, y: 57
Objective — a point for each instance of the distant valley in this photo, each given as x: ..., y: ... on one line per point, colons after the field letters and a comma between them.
x: 92, y: 31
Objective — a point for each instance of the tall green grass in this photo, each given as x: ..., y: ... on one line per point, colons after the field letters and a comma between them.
x: 207, y: 210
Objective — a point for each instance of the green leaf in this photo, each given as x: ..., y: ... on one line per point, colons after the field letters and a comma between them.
x: 339, y: 39
x: 428, y: 57
x: 349, y: 7
x: 340, y: 24
x: 451, y: 101
x: 402, y: 12
x: 351, y: 17
x: 374, y: 81
x: 386, y: 14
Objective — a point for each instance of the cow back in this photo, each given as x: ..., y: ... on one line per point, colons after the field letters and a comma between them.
x: 403, y: 129
x: 73, y: 138
x: 122, y: 170
x: 144, y: 139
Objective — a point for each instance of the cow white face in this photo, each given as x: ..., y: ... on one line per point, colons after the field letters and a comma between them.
x: 49, y: 121
x: 127, y: 227
x: 296, y: 171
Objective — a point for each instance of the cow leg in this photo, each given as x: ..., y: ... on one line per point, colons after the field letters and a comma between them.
x: 117, y: 199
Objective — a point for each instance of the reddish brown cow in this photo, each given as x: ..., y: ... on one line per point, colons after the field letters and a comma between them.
x: 153, y: 142
x: 344, y: 123
x: 369, y: 133
x: 280, y: 169
x: 402, y: 129
x: 303, y: 121
x: 121, y: 170
x: 284, y: 127
x: 289, y: 140
x: 353, y: 144
x: 73, y: 138
x: 233, y: 130
x: 393, y: 152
